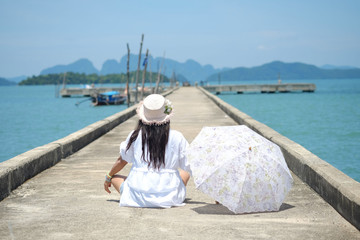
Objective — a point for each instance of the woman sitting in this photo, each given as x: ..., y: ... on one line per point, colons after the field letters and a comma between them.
x: 156, y: 153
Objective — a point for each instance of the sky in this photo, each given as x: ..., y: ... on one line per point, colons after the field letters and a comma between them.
x: 37, y: 34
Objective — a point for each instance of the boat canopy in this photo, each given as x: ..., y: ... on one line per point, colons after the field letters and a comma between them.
x: 110, y: 93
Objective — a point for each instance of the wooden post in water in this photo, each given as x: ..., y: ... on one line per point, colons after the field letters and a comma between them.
x: 138, y: 69
x: 64, y: 81
x: 162, y: 78
x: 128, y: 76
x: 144, y: 73
x: 159, y: 73
x: 175, y: 80
x: 150, y: 77
x: 172, y: 79
x: 279, y: 79
x: 57, y: 89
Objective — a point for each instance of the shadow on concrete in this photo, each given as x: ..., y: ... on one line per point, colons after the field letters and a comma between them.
x: 285, y: 206
x: 189, y: 201
x: 219, y: 209
x: 216, y: 209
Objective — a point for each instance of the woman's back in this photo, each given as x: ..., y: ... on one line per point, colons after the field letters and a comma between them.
x: 156, y: 153
x: 147, y: 186
x: 174, y: 157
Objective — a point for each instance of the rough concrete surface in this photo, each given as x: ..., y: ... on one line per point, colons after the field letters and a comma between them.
x: 67, y: 201
x: 338, y: 189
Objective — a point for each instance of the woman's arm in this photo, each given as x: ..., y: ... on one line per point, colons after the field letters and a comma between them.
x: 118, y: 166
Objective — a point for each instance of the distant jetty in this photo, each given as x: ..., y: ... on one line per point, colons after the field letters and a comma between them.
x: 94, y: 91
x: 262, y: 88
x: 87, y: 92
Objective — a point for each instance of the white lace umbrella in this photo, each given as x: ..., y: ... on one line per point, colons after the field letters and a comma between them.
x: 239, y: 168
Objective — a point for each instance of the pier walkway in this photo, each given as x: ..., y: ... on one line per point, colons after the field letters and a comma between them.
x: 67, y: 201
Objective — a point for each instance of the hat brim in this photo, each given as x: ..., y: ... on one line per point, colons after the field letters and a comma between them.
x: 154, y: 121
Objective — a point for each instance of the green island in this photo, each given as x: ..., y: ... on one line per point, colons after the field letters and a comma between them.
x: 81, y: 78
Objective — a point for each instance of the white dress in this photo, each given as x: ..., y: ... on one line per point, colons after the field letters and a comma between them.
x: 148, y: 187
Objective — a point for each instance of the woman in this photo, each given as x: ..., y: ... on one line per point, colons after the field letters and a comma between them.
x: 156, y: 154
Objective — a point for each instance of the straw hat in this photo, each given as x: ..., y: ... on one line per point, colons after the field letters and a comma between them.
x: 155, y: 109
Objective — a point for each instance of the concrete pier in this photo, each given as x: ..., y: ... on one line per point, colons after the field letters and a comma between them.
x: 92, y: 92
x: 263, y: 88
x: 69, y: 92
x: 86, y: 92
x: 67, y: 201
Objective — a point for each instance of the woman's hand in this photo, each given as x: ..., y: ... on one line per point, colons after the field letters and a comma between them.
x: 106, y: 186
x: 118, y: 165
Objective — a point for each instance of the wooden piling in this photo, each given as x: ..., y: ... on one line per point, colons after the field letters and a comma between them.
x: 150, y: 77
x: 159, y: 74
x: 138, y: 69
x: 144, y: 74
x: 128, y: 76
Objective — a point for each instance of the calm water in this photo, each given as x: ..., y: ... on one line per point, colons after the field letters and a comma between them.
x: 325, y: 122
x: 32, y: 116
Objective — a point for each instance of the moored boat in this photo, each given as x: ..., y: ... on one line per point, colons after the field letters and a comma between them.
x: 108, y: 98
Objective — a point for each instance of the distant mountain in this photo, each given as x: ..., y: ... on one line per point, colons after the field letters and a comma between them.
x: 80, y: 66
x: 271, y: 70
x: 5, y: 82
x: 17, y: 79
x: 329, y: 66
x: 191, y: 70
x: 111, y: 67
x: 181, y: 78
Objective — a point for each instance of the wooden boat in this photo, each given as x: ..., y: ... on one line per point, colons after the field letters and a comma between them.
x: 108, y: 98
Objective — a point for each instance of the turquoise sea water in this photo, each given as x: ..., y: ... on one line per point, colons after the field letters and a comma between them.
x: 326, y: 122
x: 32, y: 116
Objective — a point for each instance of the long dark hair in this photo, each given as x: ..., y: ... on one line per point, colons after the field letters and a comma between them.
x: 155, y: 137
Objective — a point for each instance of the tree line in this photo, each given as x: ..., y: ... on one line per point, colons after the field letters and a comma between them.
x: 81, y: 78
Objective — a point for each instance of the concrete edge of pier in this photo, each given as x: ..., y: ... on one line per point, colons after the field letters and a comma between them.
x: 335, y: 187
x: 17, y: 170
